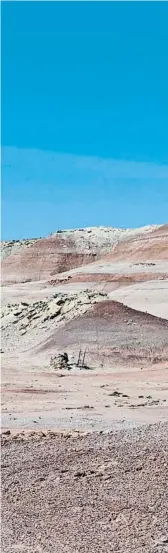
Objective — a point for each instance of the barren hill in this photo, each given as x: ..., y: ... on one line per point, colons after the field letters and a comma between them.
x: 149, y: 246
x: 39, y: 259
x: 111, y: 333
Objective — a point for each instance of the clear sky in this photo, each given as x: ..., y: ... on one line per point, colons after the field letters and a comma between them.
x: 84, y: 115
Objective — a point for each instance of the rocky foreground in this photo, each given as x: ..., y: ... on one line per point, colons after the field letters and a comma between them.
x: 77, y: 493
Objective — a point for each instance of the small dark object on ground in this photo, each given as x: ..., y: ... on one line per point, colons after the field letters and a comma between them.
x: 115, y: 394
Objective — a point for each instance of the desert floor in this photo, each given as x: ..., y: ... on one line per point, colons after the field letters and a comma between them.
x: 84, y: 449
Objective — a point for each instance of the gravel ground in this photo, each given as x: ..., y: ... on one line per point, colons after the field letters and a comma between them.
x: 96, y: 493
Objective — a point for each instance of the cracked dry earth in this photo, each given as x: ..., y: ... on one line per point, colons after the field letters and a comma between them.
x: 98, y: 492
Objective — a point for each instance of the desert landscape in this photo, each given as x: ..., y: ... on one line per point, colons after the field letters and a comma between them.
x: 84, y: 356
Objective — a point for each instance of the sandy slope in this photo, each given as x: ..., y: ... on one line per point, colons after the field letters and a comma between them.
x: 151, y: 297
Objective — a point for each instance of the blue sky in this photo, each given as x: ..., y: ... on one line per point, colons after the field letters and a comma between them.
x: 84, y: 115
